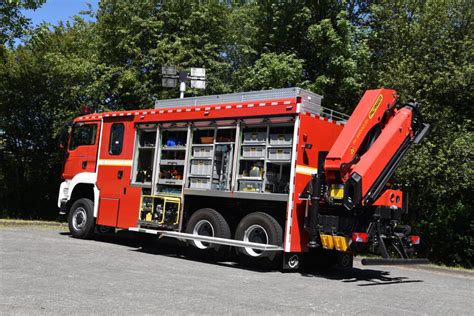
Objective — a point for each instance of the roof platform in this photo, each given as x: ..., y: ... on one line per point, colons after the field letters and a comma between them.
x: 311, y: 102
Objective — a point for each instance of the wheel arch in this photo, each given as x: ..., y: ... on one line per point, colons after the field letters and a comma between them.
x: 83, y: 185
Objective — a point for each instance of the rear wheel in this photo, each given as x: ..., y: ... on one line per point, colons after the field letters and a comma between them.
x: 208, y: 222
x: 259, y: 228
x: 81, y: 219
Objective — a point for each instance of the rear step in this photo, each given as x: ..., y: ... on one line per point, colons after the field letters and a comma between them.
x: 393, y: 262
x: 212, y: 240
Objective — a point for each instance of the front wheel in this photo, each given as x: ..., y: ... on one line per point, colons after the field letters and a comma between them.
x: 81, y: 219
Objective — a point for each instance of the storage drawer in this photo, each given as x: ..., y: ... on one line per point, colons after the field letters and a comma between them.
x: 201, y: 167
x: 279, y: 153
x: 281, y: 139
x: 170, y: 181
x: 202, y: 151
x: 253, y: 151
x: 255, y: 137
x: 250, y: 186
x: 172, y: 162
x: 199, y: 183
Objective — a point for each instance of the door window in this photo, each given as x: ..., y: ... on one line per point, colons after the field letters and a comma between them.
x: 83, y: 134
x: 116, y: 139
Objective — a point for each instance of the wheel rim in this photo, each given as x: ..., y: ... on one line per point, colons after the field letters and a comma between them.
x: 257, y: 234
x: 79, y: 218
x: 203, y: 228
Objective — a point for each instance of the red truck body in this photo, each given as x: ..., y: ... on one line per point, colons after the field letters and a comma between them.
x: 159, y: 170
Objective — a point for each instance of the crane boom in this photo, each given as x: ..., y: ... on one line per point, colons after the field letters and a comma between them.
x: 371, y: 145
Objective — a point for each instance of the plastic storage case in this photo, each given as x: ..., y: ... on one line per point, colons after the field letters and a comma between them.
x: 199, y: 183
x: 202, y: 151
x: 250, y: 186
x: 201, y: 167
x: 279, y: 153
x: 281, y: 139
x: 253, y: 151
x: 255, y: 137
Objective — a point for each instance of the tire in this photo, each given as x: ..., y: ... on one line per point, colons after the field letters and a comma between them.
x: 208, y: 222
x: 81, y: 220
x: 261, y: 228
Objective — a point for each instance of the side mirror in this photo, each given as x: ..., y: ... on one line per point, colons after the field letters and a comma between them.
x: 64, y: 136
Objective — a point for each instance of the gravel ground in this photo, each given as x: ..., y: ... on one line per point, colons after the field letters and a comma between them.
x: 45, y: 271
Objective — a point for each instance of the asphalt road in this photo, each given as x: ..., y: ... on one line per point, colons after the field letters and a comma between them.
x: 45, y: 271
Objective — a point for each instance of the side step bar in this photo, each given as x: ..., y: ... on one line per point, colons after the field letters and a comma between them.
x: 393, y: 262
x: 212, y: 240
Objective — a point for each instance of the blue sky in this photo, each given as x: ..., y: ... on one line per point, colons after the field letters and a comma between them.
x: 54, y: 11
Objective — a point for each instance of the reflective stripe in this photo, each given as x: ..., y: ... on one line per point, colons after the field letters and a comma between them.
x: 306, y: 170
x: 115, y: 162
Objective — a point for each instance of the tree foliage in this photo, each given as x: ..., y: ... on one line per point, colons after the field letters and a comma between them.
x: 12, y: 22
x: 422, y: 48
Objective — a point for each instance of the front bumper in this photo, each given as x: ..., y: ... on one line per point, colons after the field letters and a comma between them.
x: 63, y: 207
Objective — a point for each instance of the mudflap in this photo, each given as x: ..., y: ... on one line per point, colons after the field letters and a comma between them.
x: 344, y: 260
x: 292, y: 261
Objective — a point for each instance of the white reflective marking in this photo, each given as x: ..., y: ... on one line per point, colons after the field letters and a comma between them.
x: 306, y: 170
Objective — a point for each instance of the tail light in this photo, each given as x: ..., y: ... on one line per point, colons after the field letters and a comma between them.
x: 415, y: 240
x: 360, y: 237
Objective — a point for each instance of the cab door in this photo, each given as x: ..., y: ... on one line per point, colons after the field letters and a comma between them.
x: 82, y: 151
x: 118, y: 202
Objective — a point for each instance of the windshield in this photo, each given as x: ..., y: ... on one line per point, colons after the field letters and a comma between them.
x: 82, y: 134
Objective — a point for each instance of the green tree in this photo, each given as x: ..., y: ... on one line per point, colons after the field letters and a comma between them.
x: 273, y: 71
x: 13, y: 23
x: 42, y: 86
x: 319, y: 34
x: 425, y: 50
x: 137, y: 37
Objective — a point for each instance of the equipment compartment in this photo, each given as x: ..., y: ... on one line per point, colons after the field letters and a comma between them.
x: 250, y: 186
x: 279, y: 153
x: 202, y: 151
x: 253, y: 151
x: 201, y: 167
x: 160, y: 211
x: 199, y: 183
x: 256, y: 136
x: 281, y: 139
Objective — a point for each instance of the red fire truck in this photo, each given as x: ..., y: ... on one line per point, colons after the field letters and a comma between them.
x: 265, y: 173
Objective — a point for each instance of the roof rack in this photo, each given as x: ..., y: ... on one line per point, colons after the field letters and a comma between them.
x: 310, y: 100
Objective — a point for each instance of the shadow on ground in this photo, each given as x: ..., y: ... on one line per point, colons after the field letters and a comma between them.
x: 150, y: 244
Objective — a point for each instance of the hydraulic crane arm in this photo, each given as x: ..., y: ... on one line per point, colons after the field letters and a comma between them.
x: 371, y: 145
